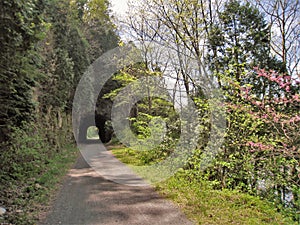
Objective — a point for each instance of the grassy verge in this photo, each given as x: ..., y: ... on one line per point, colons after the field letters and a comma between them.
x: 207, y: 206
x: 28, y: 198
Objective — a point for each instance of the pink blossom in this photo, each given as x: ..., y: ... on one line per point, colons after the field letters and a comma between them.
x: 265, y: 116
x: 259, y: 146
x: 296, y: 98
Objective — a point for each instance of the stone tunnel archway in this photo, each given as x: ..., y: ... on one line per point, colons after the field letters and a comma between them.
x: 101, y: 116
x: 100, y: 122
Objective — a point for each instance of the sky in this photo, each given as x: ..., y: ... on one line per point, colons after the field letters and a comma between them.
x: 119, y: 6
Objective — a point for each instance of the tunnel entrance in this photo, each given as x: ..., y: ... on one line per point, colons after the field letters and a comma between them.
x: 92, y: 133
x: 93, y: 128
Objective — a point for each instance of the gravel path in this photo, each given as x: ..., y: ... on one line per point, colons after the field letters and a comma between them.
x: 87, y: 198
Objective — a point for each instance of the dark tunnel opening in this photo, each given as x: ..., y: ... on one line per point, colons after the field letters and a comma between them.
x: 103, y: 128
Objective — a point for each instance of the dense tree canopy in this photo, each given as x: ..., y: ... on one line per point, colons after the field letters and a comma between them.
x: 45, y: 47
x: 220, y: 53
x: 241, y: 38
x: 233, y: 45
x: 21, y: 27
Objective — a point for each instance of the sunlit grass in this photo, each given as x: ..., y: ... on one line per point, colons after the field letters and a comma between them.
x: 205, y: 205
x: 31, y: 196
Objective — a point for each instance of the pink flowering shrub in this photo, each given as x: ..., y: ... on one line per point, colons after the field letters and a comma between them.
x: 261, y: 152
x: 281, y: 114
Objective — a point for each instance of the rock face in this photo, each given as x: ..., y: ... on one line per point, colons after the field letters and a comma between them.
x: 101, y: 116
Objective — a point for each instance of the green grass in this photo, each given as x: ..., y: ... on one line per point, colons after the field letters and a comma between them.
x: 134, y: 160
x: 29, y: 198
x: 207, y: 206
x: 57, y: 169
x: 126, y: 155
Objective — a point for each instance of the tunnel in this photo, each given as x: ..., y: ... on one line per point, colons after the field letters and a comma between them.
x: 104, y: 131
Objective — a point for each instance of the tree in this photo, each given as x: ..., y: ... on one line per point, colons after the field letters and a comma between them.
x: 98, y: 27
x: 283, y: 17
x: 241, y: 39
x: 44, y: 52
x: 173, y: 35
x: 21, y: 28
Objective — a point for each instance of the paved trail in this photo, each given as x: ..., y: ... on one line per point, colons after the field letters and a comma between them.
x: 87, y: 198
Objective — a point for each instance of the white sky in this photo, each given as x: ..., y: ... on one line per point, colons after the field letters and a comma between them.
x: 119, y: 6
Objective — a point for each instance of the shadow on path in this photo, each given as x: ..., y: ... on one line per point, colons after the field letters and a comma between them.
x: 87, y: 198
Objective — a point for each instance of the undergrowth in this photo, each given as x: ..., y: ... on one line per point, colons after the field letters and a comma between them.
x: 31, y: 168
x: 205, y: 205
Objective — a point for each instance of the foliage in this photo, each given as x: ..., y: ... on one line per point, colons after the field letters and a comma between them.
x: 30, y: 169
x: 45, y: 48
x: 21, y: 26
x: 238, y: 41
x: 92, y: 133
x: 208, y: 206
x: 127, y: 155
x: 205, y: 205
x: 99, y: 29
x: 47, y: 45
x: 283, y: 17
x: 260, y: 154
x: 147, y: 112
